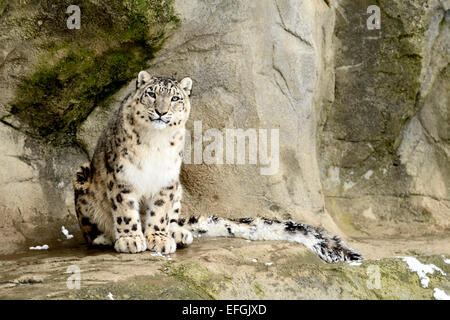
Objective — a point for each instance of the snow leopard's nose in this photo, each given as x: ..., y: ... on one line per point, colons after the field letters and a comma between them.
x: 160, y: 114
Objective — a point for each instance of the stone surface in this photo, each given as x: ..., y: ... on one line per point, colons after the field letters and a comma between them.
x: 384, y: 138
x: 213, y: 269
x: 51, y: 78
x: 363, y: 149
x: 36, y: 198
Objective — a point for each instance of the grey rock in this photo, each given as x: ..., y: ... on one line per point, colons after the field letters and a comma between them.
x: 362, y: 118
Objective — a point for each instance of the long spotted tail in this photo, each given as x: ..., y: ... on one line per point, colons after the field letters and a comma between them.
x: 328, y: 248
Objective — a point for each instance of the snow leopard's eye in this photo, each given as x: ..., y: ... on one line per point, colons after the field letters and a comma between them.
x: 175, y: 98
x: 151, y: 94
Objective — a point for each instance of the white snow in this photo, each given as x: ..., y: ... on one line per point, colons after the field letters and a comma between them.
x: 44, y: 247
x: 421, y: 269
x: 66, y: 233
x: 110, y: 296
x: 254, y: 260
x: 447, y: 261
x: 157, y: 254
x: 440, y: 294
x: 354, y: 263
x: 268, y: 264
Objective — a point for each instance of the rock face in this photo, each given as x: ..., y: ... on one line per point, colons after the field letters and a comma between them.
x: 360, y: 116
x: 256, y: 65
x: 51, y: 79
x: 384, y: 140
x: 35, y: 193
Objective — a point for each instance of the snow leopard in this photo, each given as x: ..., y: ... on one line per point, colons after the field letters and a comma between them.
x: 129, y: 195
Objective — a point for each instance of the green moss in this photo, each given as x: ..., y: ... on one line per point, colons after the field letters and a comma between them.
x: 79, y: 70
x: 138, y: 288
x: 305, y: 258
x: 258, y: 291
x: 198, y: 278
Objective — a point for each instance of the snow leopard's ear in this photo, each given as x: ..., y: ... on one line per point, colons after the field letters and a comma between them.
x: 186, y: 85
x: 143, y: 77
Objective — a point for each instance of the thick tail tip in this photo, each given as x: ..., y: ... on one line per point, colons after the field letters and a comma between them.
x: 335, y: 250
x: 352, y: 255
x: 82, y: 175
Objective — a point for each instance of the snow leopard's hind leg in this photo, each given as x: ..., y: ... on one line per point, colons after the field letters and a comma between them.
x: 328, y: 248
x: 182, y: 236
x: 84, y: 203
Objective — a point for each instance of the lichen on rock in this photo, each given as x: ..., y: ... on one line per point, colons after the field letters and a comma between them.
x: 77, y: 70
x: 51, y: 79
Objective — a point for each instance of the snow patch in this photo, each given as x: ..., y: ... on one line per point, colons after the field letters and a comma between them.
x: 66, y: 233
x: 440, y: 294
x: 421, y: 269
x: 110, y: 296
x: 254, y: 260
x: 268, y: 264
x: 157, y: 254
x: 44, y: 247
x: 354, y: 263
x: 447, y: 261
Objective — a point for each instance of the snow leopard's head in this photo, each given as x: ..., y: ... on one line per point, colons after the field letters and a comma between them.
x: 166, y: 101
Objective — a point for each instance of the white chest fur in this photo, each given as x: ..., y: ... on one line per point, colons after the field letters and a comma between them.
x: 156, y: 163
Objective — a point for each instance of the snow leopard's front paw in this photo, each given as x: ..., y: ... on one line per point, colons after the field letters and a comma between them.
x: 182, y: 237
x: 160, y: 242
x: 131, y: 244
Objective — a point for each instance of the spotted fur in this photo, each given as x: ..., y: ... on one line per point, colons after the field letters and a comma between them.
x: 329, y: 248
x: 129, y: 194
